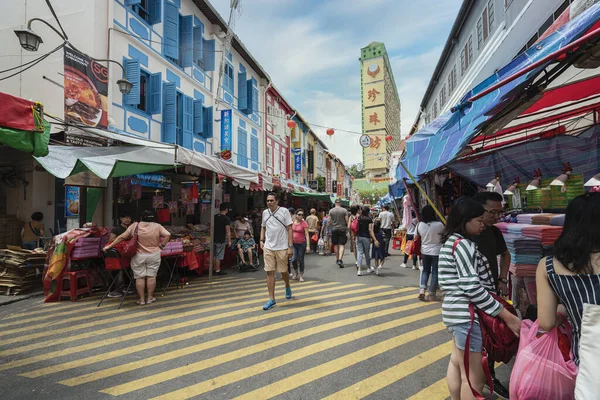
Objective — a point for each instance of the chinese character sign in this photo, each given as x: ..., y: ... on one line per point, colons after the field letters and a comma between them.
x: 298, y: 160
x: 226, y: 135
x: 374, y: 94
x: 339, y: 190
x: 374, y: 118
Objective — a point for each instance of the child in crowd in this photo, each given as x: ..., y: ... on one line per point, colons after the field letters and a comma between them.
x: 246, y: 245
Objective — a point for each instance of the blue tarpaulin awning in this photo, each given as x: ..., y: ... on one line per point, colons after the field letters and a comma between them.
x: 441, y: 141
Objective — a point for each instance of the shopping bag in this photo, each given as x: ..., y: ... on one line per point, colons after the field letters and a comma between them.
x: 314, y: 238
x: 540, y: 371
x: 588, y: 385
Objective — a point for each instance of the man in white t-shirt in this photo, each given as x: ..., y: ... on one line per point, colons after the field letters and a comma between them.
x: 277, y: 243
x: 386, y: 218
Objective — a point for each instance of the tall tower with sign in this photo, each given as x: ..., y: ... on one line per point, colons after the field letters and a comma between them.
x: 380, y: 110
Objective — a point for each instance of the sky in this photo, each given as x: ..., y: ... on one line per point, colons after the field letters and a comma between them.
x: 310, y: 49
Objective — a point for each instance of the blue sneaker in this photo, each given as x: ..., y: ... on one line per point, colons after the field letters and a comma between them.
x: 269, y: 304
x: 288, y: 292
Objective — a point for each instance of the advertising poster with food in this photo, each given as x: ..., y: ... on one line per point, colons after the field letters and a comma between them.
x: 72, y: 201
x: 86, y: 90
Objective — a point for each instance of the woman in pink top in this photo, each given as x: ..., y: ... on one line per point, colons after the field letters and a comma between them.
x: 301, y: 244
x: 152, y: 238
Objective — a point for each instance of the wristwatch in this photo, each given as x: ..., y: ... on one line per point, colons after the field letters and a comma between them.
x: 503, y: 280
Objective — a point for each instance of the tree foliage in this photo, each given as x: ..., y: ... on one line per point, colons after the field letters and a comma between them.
x: 353, y: 170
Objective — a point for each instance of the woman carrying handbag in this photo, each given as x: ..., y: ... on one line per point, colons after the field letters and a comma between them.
x: 466, y: 282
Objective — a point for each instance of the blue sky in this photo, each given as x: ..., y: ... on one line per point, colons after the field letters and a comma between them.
x: 310, y: 48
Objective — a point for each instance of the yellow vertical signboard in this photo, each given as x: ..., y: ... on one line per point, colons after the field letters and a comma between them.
x: 374, y: 94
x: 374, y: 118
x: 375, y: 156
x: 372, y: 70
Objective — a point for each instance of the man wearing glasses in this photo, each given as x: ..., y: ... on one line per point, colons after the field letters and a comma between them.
x: 276, y: 241
x: 491, y: 244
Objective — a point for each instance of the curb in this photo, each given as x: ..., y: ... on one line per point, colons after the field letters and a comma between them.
x: 16, y: 299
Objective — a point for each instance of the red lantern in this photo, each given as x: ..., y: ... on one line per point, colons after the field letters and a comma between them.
x: 388, y: 138
x: 330, y: 132
x: 291, y: 124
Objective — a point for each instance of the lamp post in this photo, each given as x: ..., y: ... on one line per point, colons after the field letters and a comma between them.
x: 30, y: 41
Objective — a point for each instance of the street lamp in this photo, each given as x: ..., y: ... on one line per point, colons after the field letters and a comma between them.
x: 30, y: 41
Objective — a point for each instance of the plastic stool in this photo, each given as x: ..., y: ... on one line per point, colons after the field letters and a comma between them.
x: 79, y: 284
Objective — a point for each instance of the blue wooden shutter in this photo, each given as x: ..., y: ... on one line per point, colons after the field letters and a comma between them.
x: 132, y: 69
x: 198, y: 44
x: 132, y: 2
x: 242, y: 91
x: 186, y: 29
x: 188, y: 122
x: 254, y: 148
x: 209, y: 55
x: 154, y: 9
x: 242, y: 149
x: 198, y: 118
x: 254, y: 99
x: 169, y: 112
x: 154, y: 88
x: 250, y: 106
x: 208, y: 123
x: 171, y: 31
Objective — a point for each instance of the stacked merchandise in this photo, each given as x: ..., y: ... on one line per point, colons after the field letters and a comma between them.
x: 542, y: 219
x: 525, y: 218
x: 546, y: 234
x: 503, y: 226
x: 516, y: 229
x: 525, y: 253
x: 89, y: 247
x: 558, y: 220
x: 20, y: 271
x: 173, y: 247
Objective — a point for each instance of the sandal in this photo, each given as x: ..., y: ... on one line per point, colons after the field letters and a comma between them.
x: 150, y: 301
x: 140, y: 302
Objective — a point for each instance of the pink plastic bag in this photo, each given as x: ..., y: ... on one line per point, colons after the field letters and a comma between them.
x: 540, y: 371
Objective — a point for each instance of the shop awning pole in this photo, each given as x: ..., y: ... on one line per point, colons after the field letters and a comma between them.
x: 439, y: 214
x: 212, y: 227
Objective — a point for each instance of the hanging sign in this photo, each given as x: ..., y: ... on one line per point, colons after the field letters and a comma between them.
x: 206, y: 196
x: 311, y: 161
x: 226, y: 135
x: 72, y: 197
x: 365, y: 141
x: 158, y: 201
x: 172, y: 207
x: 157, y: 181
x: 226, y: 198
x: 298, y: 160
x: 86, y: 90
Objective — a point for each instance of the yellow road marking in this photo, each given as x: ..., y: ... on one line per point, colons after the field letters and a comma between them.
x: 269, y: 344
x: 376, y: 382
x: 231, y: 302
x: 196, y: 348
x: 44, y: 308
x: 126, y: 314
x: 145, y: 323
x: 54, y: 316
x: 437, y: 391
x: 262, y: 367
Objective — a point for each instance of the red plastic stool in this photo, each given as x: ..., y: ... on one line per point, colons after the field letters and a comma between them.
x: 78, y: 285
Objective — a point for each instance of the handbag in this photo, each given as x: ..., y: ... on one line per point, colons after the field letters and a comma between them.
x: 130, y: 247
x: 314, y: 238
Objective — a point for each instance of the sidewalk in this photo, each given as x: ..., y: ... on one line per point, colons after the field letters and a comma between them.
x: 5, y: 300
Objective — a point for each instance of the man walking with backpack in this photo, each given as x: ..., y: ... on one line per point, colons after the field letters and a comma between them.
x: 276, y: 242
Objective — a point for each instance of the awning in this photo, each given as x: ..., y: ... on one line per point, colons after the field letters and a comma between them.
x: 106, y: 162
x: 241, y: 176
x: 547, y: 155
x: 313, y: 196
x: 516, y: 103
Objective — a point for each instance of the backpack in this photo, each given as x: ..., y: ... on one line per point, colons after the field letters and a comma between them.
x: 354, y: 226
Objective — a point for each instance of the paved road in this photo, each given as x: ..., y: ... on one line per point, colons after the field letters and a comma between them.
x: 340, y: 337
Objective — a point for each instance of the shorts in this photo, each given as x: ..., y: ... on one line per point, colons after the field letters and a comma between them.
x: 220, y: 251
x: 339, y: 237
x: 276, y: 260
x: 460, y: 331
x: 144, y: 264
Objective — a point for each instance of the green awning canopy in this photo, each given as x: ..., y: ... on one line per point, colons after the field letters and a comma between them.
x: 35, y: 143
x: 344, y: 202
x: 313, y: 196
x: 106, y: 162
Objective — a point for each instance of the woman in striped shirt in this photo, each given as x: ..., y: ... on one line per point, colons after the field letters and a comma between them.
x: 572, y: 277
x: 464, y: 278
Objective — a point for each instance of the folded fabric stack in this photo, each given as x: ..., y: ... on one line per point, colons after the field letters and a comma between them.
x: 87, y: 247
x: 515, y: 229
x: 542, y: 219
x: 558, y: 220
x: 503, y: 226
x: 174, y: 247
x: 546, y: 234
x: 525, y: 218
x: 522, y: 270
